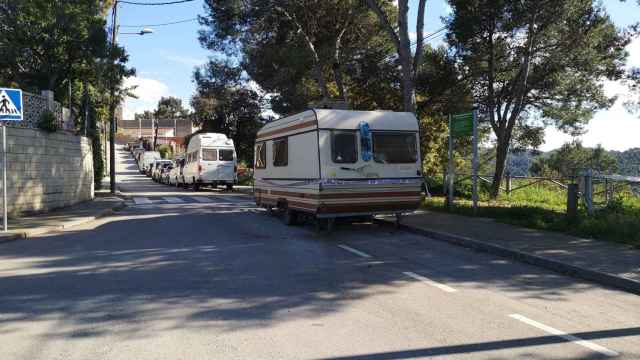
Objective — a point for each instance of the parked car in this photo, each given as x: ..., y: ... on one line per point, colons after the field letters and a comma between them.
x: 157, y: 167
x: 210, y: 160
x: 175, y: 175
x: 165, y: 170
x: 146, y: 161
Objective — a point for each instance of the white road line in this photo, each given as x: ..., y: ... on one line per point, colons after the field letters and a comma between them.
x: 574, y: 339
x: 354, y: 251
x: 202, y: 199
x: 142, y: 201
x: 425, y: 280
x: 173, y: 200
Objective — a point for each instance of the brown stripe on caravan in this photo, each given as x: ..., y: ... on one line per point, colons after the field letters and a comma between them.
x: 367, y: 195
x: 365, y: 208
x: 303, y: 125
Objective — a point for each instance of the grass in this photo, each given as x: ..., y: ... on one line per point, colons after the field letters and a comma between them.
x: 543, y: 207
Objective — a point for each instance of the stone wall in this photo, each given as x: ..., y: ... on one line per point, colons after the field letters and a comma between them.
x: 47, y: 171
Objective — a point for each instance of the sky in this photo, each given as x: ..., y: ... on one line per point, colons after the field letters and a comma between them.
x: 165, y: 61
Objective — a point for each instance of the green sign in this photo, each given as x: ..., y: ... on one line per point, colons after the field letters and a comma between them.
x: 462, y: 125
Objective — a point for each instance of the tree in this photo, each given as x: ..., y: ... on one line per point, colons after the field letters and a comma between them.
x: 400, y: 37
x: 48, y: 43
x: 573, y: 158
x: 533, y: 63
x: 307, y: 36
x: 225, y: 104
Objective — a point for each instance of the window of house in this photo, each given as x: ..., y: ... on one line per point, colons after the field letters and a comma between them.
x: 344, y: 147
x: 225, y: 155
x: 209, y: 154
x: 281, y: 152
x: 395, y: 148
x: 261, y: 155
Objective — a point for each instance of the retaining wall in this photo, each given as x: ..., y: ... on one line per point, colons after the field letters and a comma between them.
x: 47, y: 171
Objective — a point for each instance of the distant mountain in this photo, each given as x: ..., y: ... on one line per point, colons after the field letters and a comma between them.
x: 519, y: 163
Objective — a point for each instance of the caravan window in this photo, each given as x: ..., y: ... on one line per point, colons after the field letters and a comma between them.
x: 395, y: 148
x: 281, y: 152
x: 261, y: 156
x: 226, y: 155
x: 209, y: 154
x: 344, y: 147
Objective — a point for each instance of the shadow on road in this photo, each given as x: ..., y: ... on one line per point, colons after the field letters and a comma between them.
x: 228, y: 269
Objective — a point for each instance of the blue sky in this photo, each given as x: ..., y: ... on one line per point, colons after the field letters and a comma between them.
x: 165, y: 61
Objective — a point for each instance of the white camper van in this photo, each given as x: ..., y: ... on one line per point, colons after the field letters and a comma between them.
x: 146, y: 160
x: 210, y: 160
x: 339, y: 163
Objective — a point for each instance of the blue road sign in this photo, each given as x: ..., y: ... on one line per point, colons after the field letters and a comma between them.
x: 11, y: 105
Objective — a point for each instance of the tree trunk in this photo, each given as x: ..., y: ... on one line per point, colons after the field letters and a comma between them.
x: 322, y: 83
x: 406, y: 60
x: 337, y: 75
x: 502, y: 151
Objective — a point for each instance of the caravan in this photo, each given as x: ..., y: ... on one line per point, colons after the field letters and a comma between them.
x: 210, y: 160
x: 339, y: 163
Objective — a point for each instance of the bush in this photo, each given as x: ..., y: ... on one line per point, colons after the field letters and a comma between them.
x: 165, y: 151
x: 48, y: 122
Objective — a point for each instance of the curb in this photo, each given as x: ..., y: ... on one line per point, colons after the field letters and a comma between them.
x: 45, y: 230
x: 599, y: 277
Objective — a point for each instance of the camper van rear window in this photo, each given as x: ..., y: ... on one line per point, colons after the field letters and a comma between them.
x: 261, y: 156
x: 394, y: 148
x: 281, y: 152
x: 226, y: 155
x: 209, y: 154
x: 344, y: 147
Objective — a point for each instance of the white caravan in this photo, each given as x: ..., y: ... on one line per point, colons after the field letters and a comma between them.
x: 210, y: 160
x: 339, y: 163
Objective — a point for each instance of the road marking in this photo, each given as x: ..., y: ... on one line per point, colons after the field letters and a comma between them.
x: 142, y: 201
x: 354, y: 251
x: 425, y: 280
x: 173, y: 200
x: 574, y: 339
x: 202, y: 199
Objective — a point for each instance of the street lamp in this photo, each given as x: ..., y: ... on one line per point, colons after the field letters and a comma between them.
x: 112, y: 127
x: 141, y: 32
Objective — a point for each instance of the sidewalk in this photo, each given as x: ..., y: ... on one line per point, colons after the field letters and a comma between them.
x: 24, y: 227
x: 603, y: 262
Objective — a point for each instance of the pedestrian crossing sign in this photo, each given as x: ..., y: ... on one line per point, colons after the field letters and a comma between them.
x: 11, y: 105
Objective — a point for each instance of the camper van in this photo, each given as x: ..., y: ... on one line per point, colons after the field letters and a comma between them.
x: 210, y: 160
x: 147, y: 159
x: 339, y: 163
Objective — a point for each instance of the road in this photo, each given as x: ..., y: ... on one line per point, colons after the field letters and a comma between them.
x: 207, y: 275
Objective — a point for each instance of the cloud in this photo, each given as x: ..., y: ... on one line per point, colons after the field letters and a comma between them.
x: 149, y: 91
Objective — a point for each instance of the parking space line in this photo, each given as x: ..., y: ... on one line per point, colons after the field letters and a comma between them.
x: 173, y: 200
x: 428, y: 281
x: 202, y: 199
x: 354, y: 251
x: 142, y: 201
x: 574, y: 339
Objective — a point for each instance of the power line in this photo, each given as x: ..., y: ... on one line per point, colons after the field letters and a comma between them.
x: 154, y: 4
x: 163, y: 24
x: 426, y: 38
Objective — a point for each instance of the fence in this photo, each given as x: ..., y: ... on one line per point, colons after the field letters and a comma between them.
x: 594, y: 191
x: 36, y: 105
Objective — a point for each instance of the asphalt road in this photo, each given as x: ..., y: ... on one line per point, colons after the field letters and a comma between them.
x: 212, y: 277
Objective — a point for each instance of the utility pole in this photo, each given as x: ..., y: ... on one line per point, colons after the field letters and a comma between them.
x: 112, y: 125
